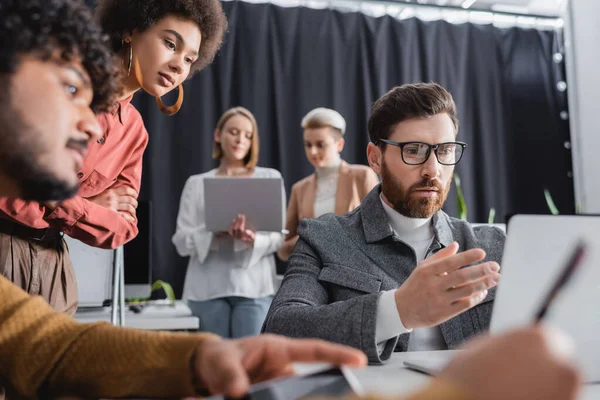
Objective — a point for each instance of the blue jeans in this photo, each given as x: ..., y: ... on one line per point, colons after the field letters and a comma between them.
x: 231, y: 317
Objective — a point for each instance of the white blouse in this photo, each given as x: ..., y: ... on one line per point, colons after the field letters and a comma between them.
x: 222, y: 267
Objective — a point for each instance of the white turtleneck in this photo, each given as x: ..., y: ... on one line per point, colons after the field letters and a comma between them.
x: 418, y: 234
x: 327, y: 180
x: 415, y: 232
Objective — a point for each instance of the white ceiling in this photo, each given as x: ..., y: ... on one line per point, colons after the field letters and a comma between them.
x: 540, y: 7
x: 454, y: 11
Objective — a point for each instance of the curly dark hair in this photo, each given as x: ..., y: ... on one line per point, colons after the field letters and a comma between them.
x: 121, y: 17
x: 42, y: 27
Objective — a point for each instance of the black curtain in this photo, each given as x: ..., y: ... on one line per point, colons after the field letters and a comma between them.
x: 282, y: 62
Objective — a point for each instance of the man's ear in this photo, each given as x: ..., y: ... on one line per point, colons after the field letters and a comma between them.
x: 375, y: 157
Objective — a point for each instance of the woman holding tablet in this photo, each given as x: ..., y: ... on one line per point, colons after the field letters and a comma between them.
x: 229, y: 281
x: 336, y: 186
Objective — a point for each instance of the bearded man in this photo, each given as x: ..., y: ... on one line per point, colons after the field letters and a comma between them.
x: 389, y: 275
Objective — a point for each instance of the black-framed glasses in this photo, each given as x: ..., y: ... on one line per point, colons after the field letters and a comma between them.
x: 417, y: 153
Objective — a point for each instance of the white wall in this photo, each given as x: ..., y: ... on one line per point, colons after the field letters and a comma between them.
x: 582, y: 48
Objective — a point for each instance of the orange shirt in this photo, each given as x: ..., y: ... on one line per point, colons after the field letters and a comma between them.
x: 115, y: 160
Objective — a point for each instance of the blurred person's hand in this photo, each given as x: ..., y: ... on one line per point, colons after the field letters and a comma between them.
x: 231, y: 366
x: 121, y: 199
x: 524, y: 364
x: 238, y: 230
x: 440, y: 288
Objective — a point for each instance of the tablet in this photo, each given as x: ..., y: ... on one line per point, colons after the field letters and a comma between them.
x: 429, y: 366
x: 261, y: 200
x: 336, y: 381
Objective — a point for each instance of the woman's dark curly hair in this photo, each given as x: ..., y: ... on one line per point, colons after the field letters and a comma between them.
x: 121, y: 17
x: 42, y: 27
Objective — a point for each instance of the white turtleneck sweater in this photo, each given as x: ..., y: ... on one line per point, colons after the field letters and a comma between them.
x: 327, y: 180
x: 418, y: 234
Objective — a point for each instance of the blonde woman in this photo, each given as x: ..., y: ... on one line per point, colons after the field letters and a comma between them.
x: 229, y: 281
x: 335, y: 186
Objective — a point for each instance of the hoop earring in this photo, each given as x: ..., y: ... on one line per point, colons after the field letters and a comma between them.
x: 171, y: 110
x: 130, y: 57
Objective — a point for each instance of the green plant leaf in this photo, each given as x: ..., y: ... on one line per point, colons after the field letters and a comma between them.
x: 550, y: 202
x: 461, y: 204
x: 168, y: 289
x: 492, y: 215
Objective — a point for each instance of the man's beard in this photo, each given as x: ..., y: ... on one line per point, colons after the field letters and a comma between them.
x: 20, y: 151
x: 410, y: 206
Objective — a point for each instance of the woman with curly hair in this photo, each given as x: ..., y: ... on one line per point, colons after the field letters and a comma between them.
x: 157, y: 44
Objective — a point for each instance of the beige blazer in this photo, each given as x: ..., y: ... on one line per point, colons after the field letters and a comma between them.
x: 354, y: 182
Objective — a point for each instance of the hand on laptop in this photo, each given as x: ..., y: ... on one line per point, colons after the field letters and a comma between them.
x: 230, y: 366
x: 521, y: 365
x: 439, y: 288
x: 240, y: 231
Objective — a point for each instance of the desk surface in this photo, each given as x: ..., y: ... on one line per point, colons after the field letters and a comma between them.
x: 393, y: 379
x: 152, y: 317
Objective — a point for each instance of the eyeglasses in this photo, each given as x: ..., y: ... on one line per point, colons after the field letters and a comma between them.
x: 417, y: 153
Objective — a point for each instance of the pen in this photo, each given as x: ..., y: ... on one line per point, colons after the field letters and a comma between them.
x: 572, y: 264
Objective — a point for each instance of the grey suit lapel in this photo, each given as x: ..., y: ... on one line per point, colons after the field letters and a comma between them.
x: 458, y: 328
x: 442, y: 229
x: 394, y: 258
x: 376, y: 226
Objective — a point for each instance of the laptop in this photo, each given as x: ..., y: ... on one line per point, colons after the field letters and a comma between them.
x: 536, y: 250
x: 262, y: 200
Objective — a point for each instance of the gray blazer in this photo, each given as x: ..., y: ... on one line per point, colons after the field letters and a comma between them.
x: 341, y: 264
